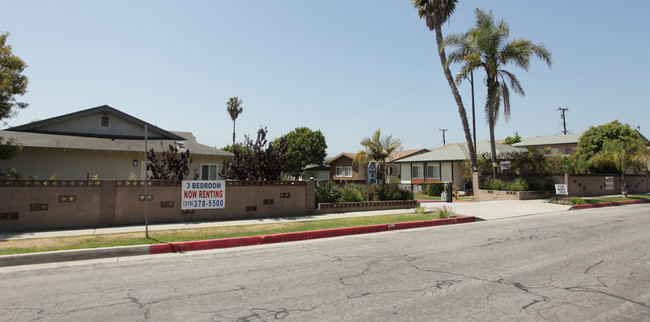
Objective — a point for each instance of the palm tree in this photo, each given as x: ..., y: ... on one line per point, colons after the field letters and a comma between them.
x: 234, y: 109
x: 485, y: 47
x: 437, y: 12
x: 378, y: 149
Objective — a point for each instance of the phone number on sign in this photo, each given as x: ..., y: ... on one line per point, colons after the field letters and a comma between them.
x: 212, y: 203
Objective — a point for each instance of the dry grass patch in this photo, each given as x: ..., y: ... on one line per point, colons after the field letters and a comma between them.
x: 32, y: 245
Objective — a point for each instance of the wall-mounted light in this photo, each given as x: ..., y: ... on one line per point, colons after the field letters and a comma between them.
x: 135, y: 163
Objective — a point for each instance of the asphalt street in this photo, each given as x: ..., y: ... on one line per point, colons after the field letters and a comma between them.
x: 578, y: 265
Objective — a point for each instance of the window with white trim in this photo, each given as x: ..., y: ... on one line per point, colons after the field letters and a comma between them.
x: 433, y: 171
x: 417, y: 171
x: 348, y: 171
x: 339, y: 171
x: 208, y: 171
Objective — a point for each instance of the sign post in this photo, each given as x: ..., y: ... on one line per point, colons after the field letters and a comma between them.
x: 203, y: 194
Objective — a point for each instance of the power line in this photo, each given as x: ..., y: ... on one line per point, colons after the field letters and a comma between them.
x: 383, y: 101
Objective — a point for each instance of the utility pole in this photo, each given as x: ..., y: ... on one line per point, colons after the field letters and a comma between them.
x: 563, y: 109
x: 443, y: 136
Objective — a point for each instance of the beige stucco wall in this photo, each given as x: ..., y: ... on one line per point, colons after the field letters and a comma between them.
x: 91, y: 124
x: 42, y: 163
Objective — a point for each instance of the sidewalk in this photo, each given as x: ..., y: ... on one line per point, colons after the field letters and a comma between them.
x: 468, y: 212
x: 489, y: 210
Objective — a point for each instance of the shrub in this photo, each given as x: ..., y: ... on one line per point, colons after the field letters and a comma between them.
x: 392, y: 192
x: 443, y: 212
x: 577, y: 201
x: 434, y: 189
x: 518, y: 184
x: 353, y: 193
x: 536, y: 186
x: 327, y: 191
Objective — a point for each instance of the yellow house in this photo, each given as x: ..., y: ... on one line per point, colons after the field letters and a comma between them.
x: 103, y: 142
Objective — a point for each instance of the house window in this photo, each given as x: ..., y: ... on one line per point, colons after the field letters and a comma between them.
x: 348, y: 171
x: 433, y: 171
x: 208, y: 172
x: 417, y: 171
x: 104, y: 121
x: 339, y: 171
x: 181, y: 145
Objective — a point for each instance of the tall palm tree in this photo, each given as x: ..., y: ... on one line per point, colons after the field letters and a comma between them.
x: 437, y: 12
x: 486, y: 46
x: 234, y: 109
x: 378, y: 149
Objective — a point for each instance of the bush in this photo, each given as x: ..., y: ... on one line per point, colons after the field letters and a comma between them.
x: 326, y: 192
x: 518, y: 184
x: 392, y: 192
x: 536, y: 186
x: 443, y: 212
x: 434, y: 189
x: 353, y: 193
x: 577, y: 201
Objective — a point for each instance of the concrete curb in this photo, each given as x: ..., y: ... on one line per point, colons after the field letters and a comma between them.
x: 180, y: 247
x: 609, y: 204
x: 73, y: 255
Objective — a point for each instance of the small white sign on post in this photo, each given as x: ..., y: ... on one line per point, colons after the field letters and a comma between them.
x: 561, y: 189
x: 203, y: 194
x: 609, y: 183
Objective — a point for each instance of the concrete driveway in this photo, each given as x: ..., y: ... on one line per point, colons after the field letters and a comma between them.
x: 491, y: 210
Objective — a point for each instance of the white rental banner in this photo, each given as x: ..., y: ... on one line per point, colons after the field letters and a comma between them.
x: 203, y: 194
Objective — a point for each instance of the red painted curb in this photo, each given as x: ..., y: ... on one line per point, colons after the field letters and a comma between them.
x: 180, y: 247
x: 609, y: 204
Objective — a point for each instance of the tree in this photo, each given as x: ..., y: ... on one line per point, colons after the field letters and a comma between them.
x: 257, y: 160
x: 437, y: 12
x: 512, y: 139
x: 378, y: 149
x: 593, y: 141
x: 624, y: 154
x: 170, y: 164
x: 12, y: 82
x: 234, y: 109
x: 304, y: 147
x: 9, y: 148
x: 485, y: 47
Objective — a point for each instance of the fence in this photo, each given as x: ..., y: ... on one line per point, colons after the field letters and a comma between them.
x: 577, y: 185
x: 54, y: 204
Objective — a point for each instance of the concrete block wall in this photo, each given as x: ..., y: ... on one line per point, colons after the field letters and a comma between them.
x: 55, y: 204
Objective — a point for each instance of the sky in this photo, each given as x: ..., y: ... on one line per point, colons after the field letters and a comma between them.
x: 343, y: 67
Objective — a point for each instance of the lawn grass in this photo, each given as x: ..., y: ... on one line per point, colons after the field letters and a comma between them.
x: 34, y: 245
x: 612, y: 199
x: 420, y: 196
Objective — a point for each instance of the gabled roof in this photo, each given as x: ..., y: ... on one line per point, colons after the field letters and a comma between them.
x: 549, y: 140
x: 396, y: 155
x: 44, y: 126
x: 56, y: 141
x: 71, y: 131
x: 457, y: 152
x: 351, y: 156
